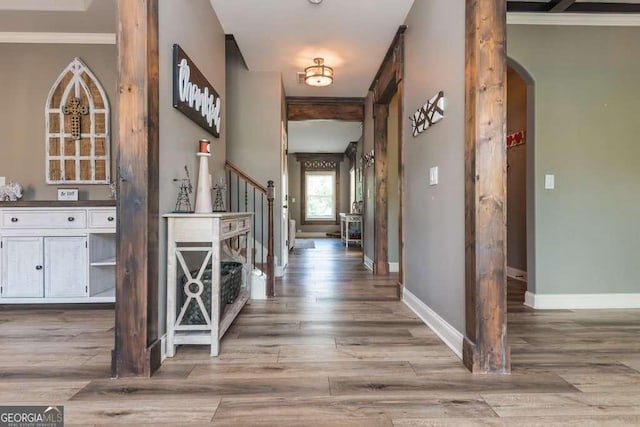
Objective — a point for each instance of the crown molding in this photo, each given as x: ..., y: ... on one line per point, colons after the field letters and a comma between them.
x: 586, y: 19
x: 58, y: 38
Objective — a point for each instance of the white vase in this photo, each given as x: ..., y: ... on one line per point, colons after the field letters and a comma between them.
x: 203, y: 187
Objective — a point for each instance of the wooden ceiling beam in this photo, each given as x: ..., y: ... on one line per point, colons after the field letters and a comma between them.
x: 325, y: 108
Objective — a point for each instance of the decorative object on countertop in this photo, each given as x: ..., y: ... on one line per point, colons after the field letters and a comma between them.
x: 113, y: 191
x: 203, y: 187
x: 77, y: 127
x: 68, y: 194
x: 183, y: 204
x: 10, y: 192
x: 428, y: 115
x: 220, y: 187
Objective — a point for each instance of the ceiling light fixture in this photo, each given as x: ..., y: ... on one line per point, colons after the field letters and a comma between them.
x: 319, y: 74
x: 315, y: 1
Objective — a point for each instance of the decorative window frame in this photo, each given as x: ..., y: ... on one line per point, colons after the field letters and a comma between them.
x: 319, y: 162
x: 75, y: 87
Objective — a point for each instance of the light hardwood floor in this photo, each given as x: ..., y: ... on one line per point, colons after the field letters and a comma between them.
x: 335, y: 348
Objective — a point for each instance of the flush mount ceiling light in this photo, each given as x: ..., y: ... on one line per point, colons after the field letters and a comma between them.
x: 315, y: 1
x: 319, y: 74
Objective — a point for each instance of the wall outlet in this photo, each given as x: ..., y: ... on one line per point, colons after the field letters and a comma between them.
x: 433, y: 175
x: 549, y: 182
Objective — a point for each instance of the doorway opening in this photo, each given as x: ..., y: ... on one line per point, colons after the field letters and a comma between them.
x: 520, y: 182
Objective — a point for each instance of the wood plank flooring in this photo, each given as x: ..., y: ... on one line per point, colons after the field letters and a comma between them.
x: 334, y: 348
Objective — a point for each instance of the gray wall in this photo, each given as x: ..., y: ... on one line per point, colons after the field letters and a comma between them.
x: 434, y: 245
x: 254, y: 128
x: 393, y: 189
x: 295, y: 208
x: 27, y: 72
x: 204, y: 41
x: 586, y: 133
x: 516, y: 174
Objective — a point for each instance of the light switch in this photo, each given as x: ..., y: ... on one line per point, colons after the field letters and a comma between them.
x: 549, y: 182
x: 3, y: 181
x: 433, y: 176
x: 293, y: 200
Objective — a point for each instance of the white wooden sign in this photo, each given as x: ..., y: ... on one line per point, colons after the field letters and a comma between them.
x: 68, y: 194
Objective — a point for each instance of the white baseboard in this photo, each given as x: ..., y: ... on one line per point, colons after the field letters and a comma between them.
x: 163, y: 348
x: 517, y: 274
x: 258, y: 285
x: 368, y: 262
x: 447, y: 333
x: 581, y: 301
x: 394, y: 267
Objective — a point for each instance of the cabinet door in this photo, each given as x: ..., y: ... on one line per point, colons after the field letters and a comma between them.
x: 65, y: 271
x: 22, y: 272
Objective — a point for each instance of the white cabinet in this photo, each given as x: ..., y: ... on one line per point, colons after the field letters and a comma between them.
x: 22, y: 267
x: 53, y: 254
x: 65, y: 272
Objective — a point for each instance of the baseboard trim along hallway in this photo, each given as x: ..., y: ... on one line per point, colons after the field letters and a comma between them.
x: 447, y: 333
x: 368, y: 262
x: 581, y: 301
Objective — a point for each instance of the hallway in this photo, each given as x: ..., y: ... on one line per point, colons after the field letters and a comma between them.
x: 334, y: 348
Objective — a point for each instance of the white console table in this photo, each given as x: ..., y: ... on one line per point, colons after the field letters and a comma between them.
x: 345, y: 220
x: 210, y: 236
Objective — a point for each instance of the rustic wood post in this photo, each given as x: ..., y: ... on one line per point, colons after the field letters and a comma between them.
x: 137, y: 347
x: 381, y: 170
x: 271, y: 288
x: 485, y: 348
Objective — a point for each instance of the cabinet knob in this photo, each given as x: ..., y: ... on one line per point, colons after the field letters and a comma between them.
x: 71, y: 219
x: 110, y: 219
x: 14, y: 219
x: 38, y: 267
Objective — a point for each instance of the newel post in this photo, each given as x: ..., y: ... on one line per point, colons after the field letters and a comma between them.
x: 271, y: 289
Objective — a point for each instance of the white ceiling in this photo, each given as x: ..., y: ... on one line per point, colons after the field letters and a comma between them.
x: 322, y: 136
x: 58, y: 16
x: 285, y: 35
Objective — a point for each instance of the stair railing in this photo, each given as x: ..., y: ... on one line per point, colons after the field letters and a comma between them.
x: 245, y: 194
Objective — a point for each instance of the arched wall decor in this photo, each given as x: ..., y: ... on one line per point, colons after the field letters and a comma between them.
x: 77, y: 128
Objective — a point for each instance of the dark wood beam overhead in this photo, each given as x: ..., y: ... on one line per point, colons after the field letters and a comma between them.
x: 325, y: 108
x: 137, y: 347
x: 485, y: 347
x: 562, y: 5
x: 572, y: 6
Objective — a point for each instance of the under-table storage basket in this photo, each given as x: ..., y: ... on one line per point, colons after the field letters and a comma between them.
x: 230, y: 283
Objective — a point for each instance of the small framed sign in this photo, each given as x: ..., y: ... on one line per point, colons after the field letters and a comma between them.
x: 68, y: 194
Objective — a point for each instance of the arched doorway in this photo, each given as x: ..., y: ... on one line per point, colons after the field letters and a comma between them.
x: 520, y: 175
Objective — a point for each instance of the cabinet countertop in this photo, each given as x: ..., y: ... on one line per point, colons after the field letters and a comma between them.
x: 58, y: 204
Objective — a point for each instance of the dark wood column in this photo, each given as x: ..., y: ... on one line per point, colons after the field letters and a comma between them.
x: 485, y: 347
x: 381, y: 166
x: 137, y: 348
